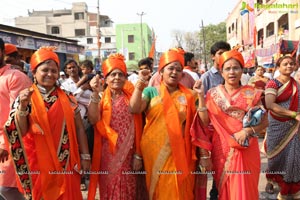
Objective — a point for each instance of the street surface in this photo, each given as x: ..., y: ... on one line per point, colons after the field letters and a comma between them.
x: 261, y: 186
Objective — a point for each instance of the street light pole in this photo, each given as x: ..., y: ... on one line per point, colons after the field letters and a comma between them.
x: 98, y: 32
x: 204, y: 45
x: 142, y: 42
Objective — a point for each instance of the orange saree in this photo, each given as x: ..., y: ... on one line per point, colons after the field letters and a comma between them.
x: 166, y: 143
x: 236, y: 168
x: 46, y: 156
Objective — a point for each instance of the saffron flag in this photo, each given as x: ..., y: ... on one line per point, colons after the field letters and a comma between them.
x: 254, y: 37
x: 152, y: 50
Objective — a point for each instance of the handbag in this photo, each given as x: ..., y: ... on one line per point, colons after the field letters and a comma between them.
x: 252, y: 118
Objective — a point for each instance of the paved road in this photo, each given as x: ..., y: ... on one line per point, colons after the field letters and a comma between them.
x: 262, y: 181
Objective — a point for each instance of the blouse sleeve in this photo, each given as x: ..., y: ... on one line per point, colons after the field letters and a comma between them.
x: 271, y: 87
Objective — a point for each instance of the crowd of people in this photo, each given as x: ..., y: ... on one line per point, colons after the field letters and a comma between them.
x: 150, y: 135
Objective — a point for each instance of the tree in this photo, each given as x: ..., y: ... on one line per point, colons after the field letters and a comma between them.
x: 194, y: 42
x: 178, y: 37
x: 212, y: 34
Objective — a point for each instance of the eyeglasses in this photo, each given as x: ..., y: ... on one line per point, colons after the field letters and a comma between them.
x: 234, y: 69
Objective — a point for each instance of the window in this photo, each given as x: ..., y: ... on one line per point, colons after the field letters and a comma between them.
x: 79, y: 32
x: 107, y: 40
x: 130, y: 38
x: 131, y: 55
x: 229, y: 30
x: 270, y: 29
x: 89, y: 40
x: 260, y: 37
x: 55, y: 30
x: 79, y: 15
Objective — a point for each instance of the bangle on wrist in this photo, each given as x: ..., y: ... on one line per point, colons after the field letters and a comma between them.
x: 22, y: 113
x: 294, y: 115
x: 140, y: 85
x: 95, y: 99
x: 85, y: 156
x: 206, y: 156
x: 136, y: 156
x: 202, y: 109
x: 253, y: 130
x: 141, y: 79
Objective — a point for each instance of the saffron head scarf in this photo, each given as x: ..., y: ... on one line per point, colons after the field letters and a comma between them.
x: 114, y: 61
x: 231, y: 54
x: 174, y: 54
x: 43, y: 54
x: 10, y: 48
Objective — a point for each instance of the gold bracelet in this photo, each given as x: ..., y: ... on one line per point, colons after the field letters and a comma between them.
x: 85, y: 156
x: 22, y: 113
x: 140, y: 85
x: 94, y: 99
x: 136, y: 156
x: 202, y: 109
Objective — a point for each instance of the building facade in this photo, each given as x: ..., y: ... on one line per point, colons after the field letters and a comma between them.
x: 77, y: 24
x: 264, y: 27
x: 28, y: 41
x: 134, y: 42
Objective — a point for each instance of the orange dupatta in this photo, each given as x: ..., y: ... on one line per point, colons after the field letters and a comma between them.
x: 182, y: 150
x: 53, y: 185
x: 103, y: 129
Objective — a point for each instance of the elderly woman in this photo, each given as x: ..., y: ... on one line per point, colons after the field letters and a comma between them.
x: 166, y: 143
x: 117, y: 133
x: 45, y: 131
x: 282, y: 141
x: 236, y: 165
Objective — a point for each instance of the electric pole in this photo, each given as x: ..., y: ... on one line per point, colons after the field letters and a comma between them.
x: 98, y: 33
x: 203, y: 34
x: 142, y: 40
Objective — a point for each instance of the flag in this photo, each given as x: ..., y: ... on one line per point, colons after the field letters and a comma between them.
x: 152, y: 50
x: 254, y: 37
x: 250, y: 61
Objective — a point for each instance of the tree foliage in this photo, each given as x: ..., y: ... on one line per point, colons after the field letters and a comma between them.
x: 212, y: 34
x: 195, y: 42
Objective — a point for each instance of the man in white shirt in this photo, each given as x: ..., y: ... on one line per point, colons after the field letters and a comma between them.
x: 145, y: 63
x: 190, y: 65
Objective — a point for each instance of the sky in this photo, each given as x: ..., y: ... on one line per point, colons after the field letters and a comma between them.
x: 163, y: 16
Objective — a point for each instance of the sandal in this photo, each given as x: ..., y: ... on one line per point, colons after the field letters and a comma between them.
x: 269, y: 188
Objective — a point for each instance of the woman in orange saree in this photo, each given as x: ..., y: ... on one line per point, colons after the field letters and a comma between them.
x: 168, y: 155
x: 116, y: 153
x: 236, y: 167
x: 282, y: 140
x: 45, y: 132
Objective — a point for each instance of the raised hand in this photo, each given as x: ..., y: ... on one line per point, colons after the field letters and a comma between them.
x: 25, y: 96
x: 144, y: 75
x: 198, y: 87
x: 96, y: 84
